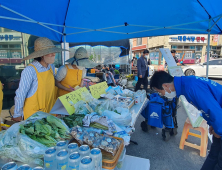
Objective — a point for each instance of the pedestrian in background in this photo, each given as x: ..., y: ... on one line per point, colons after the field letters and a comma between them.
x: 142, y: 67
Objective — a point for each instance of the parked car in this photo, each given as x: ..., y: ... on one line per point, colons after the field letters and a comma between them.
x: 215, y: 69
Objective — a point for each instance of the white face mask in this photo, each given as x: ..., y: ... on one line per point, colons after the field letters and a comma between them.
x: 49, y: 60
x: 147, y: 56
x: 170, y: 95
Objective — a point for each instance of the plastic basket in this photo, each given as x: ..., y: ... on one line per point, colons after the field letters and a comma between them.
x: 109, y: 161
x: 121, y: 160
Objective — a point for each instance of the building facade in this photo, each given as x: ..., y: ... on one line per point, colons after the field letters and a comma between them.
x: 191, y: 46
x: 14, y: 46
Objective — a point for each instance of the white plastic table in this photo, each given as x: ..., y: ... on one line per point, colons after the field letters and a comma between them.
x: 136, y: 111
x: 135, y: 163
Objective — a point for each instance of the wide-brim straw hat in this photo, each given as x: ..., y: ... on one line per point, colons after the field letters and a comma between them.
x: 42, y: 47
x: 81, y: 59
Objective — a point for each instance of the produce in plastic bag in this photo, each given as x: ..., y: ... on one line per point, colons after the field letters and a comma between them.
x: 78, y: 133
x: 109, y: 144
x: 74, y: 120
x: 96, y: 140
x: 121, y: 116
x: 90, y: 100
x: 20, y: 147
x: 105, y: 105
x: 82, y: 107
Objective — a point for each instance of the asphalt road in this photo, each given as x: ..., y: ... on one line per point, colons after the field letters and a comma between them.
x: 166, y: 155
x: 218, y: 81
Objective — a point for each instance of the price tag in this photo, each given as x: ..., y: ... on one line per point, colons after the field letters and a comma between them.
x: 68, y: 100
x: 98, y: 89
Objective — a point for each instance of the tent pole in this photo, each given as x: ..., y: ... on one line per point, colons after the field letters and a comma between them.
x: 208, y: 49
x: 130, y: 58
x: 64, y: 42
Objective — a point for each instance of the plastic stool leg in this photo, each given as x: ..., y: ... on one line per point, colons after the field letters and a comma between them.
x: 203, y: 144
x: 183, y: 136
x: 187, y: 134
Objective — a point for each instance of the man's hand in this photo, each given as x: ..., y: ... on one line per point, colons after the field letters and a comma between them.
x: 211, y: 130
x: 17, y: 119
x: 140, y: 76
x: 216, y: 135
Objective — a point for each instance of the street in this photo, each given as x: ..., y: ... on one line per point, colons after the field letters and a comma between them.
x: 166, y: 155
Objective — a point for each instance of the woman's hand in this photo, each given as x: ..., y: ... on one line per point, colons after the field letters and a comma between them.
x: 17, y: 119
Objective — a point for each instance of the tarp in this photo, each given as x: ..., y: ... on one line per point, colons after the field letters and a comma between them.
x: 103, y: 20
x: 124, y: 45
x: 103, y: 54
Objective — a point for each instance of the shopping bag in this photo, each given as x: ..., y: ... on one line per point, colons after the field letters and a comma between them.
x: 155, y: 114
x: 167, y: 116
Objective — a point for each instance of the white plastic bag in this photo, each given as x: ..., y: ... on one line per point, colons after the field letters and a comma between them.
x: 20, y: 147
x: 120, y: 116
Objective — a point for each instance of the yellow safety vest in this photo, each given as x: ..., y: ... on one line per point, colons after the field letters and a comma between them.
x: 44, y: 97
x: 73, y: 78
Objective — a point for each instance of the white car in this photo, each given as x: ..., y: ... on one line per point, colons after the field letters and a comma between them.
x: 215, y: 69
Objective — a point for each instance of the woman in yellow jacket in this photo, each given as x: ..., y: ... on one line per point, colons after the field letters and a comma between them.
x: 37, y: 91
x: 71, y: 75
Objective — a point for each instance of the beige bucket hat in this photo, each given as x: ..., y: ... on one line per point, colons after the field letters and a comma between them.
x: 43, y: 46
x: 81, y: 59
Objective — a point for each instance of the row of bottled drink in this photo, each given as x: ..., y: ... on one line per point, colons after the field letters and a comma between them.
x: 63, y: 157
x: 66, y: 157
x: 14, y: 166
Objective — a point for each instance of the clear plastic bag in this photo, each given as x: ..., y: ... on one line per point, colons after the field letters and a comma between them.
x: 91, y: 101
x: 82, y: 108
x: 121, y: 116
x: 105, y: 105
x: 20, y: 147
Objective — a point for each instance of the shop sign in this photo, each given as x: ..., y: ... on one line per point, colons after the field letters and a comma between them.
x: 6, y: 37
x: 188, y: 39
x: 12, y: 37
x: 215, y: 40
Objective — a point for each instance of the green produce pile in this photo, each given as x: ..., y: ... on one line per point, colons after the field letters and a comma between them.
x: 46, y: 131
x: 98, y: 126
x: 74, y: 120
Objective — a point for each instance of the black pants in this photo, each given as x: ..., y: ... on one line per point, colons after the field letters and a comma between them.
x: 143, y: 81
x: 214, y: 159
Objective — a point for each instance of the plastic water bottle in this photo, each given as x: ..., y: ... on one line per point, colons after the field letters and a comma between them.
x: 50, y: 159
x: 73, y: 147
x: 84, y: 150
x: 86, y: 163
x: 96, y: 156
x: 62, y: 160
x: 60, y: 146
x: 74, y: 160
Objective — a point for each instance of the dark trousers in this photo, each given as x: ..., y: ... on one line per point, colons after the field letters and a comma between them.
x: 214, y: 159
x: 143, y: 81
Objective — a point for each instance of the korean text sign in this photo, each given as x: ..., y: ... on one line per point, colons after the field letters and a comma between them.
x: 98, y: 89
x: 72, y: 98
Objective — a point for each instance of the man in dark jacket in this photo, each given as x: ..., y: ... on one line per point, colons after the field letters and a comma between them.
x: 142, y: 67
x: 206, y: 96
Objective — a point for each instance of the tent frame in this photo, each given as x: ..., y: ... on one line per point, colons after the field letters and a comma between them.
x: 208, y: 31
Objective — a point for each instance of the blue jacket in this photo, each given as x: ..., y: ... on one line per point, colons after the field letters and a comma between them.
x: 205, y: 95
x: 141, y: 66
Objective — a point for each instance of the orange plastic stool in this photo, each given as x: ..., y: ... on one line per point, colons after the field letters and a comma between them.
x: 93, y: 70
x: 204, y: 137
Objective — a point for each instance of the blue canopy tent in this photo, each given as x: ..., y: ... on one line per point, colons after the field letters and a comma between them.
x: 103, y: 20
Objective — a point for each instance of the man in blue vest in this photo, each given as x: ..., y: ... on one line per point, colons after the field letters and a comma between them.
x: 206, y: 96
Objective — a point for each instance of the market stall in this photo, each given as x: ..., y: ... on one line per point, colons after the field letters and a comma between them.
x: 100, y: 117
